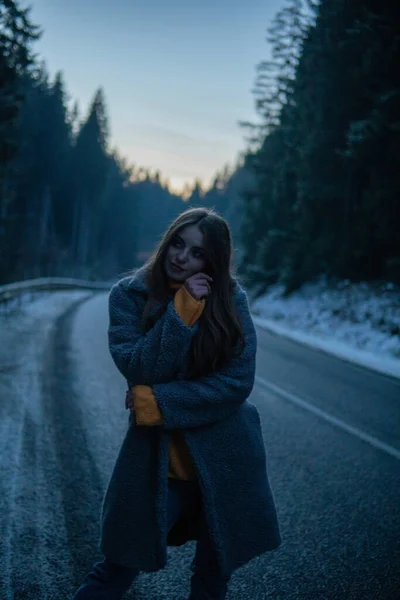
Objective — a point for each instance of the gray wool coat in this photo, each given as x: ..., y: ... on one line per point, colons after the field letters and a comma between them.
x: 221, y: 428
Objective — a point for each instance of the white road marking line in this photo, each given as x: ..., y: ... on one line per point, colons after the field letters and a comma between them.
x: 365, y: 437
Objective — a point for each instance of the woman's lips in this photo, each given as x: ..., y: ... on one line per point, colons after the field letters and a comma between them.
x: 176, y: 268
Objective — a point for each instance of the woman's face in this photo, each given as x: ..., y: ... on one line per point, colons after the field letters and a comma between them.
x: 185, y: 255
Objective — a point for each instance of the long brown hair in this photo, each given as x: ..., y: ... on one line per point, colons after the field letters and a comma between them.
x: 220, y: 335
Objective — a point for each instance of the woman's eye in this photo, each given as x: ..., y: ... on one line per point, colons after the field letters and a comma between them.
x: 198, y: 254
x: 176, y: 243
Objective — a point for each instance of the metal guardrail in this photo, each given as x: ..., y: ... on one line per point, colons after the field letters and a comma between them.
x: 12, y: 291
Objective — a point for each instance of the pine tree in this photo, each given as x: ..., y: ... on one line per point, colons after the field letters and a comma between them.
x: 89, y: 167
x: 197, y: 195
x: 17, y: 33
x: 327, y: 184
x: 16, y: 36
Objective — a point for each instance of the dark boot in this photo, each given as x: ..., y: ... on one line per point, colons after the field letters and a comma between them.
x: 208, y: 587
x: 106, y: 581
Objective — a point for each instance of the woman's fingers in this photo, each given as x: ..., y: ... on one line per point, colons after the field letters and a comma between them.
x: 199, y: 285
x: 203, y: 276
x: 203, y: 290
x: 204, y: 283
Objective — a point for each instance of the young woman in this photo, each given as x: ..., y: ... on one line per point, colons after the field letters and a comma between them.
x: 192, y: 465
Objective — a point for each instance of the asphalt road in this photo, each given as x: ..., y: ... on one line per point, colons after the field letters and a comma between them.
x: 332, y: 433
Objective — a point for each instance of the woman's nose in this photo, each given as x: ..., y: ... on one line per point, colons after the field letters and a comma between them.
x: 181, y: 257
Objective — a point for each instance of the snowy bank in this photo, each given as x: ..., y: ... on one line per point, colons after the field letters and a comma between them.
x: 357, y: 322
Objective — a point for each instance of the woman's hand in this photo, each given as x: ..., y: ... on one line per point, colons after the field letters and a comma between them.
x: 198, y: 285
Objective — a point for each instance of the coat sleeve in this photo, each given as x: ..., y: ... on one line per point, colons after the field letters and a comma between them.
x: 208, y: 399
x: 151, y: 357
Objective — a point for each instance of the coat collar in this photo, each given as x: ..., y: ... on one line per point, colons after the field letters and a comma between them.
x: 138, y: 281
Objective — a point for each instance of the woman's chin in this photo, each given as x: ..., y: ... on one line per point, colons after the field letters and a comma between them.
x: 174, y: 276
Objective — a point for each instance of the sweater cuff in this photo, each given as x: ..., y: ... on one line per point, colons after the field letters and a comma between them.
x: 187, y: 307
x: 146, y: 408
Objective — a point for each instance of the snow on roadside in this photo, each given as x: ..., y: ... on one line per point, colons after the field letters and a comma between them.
x: 357, y: 322
x: 23, y: 333
x: 31, y: 506
x: 37, y: 304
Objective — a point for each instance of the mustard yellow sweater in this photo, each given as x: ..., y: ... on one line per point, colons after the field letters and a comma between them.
x: 147, y: 411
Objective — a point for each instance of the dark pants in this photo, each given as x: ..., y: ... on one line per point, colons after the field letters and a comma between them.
x: 108, y: 581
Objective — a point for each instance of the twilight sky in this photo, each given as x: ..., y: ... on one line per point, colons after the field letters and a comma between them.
x: 177, y: 74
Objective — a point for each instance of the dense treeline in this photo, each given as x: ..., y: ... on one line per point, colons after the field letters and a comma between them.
x: 321, y: 174
x: 327, y: 155
x: 70, y: 205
